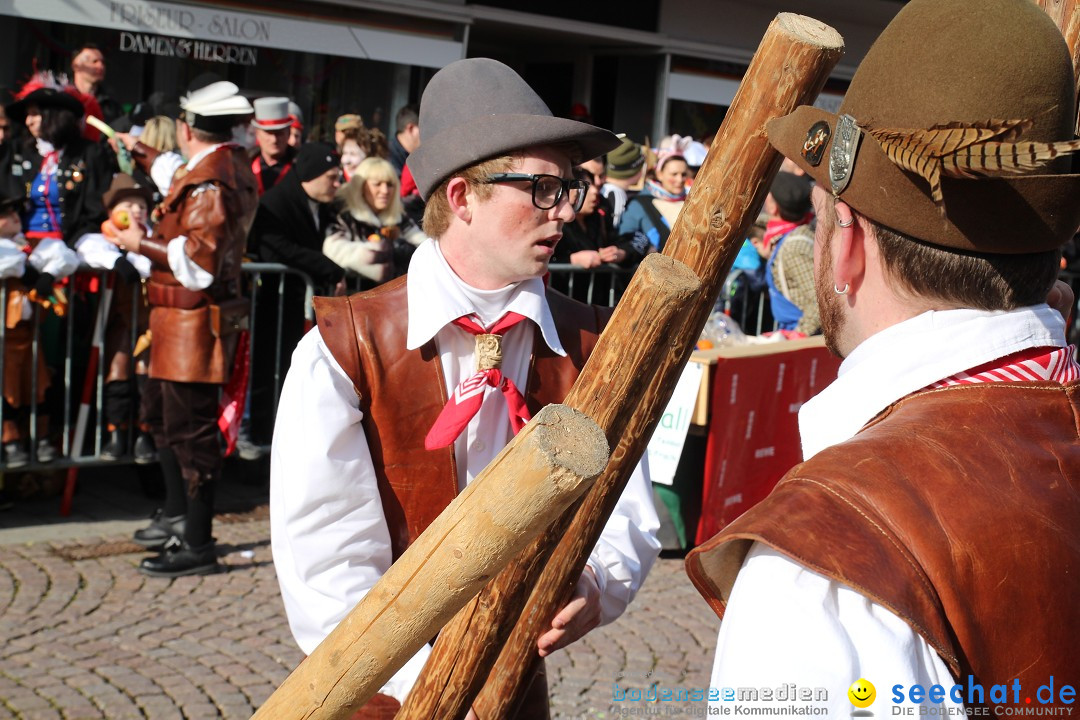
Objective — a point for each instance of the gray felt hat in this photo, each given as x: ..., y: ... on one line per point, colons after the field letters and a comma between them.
x: 479, y: 108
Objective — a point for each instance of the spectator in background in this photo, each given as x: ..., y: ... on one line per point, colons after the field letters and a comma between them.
x: 590, y: 242
x: 406, y: 136
x: 788, y: 244
x: 346, y: 122
x: 23, y: 272
x: 88, y: 77
x: 694, y: 153
x: 155, y: 153
x: 125, y: 197
x: 64, y: 176
x: 372, y: 237
x: 353, y: 149
x: 289, y: 228
x: 160, y: 134
x: 272, y: 130
x: 653, y: 211
x: 377, y: 145
x: 411, y: 200
x: 625, y: 168
x: 296, y: 128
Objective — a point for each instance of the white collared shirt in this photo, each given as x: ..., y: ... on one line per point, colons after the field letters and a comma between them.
x: 437, y: 297
x: 785, y: 623
x: 330, y: 539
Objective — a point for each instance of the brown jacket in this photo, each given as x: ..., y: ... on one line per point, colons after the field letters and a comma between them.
x: 402, y: 392
x: 191, y: 329
x: 416, y: 483
x: 958, y: 510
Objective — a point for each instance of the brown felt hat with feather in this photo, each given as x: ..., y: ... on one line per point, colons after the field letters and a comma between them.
x: 954, y: 130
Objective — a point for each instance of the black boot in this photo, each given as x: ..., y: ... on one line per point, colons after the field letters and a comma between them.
x: 145, y: 450
x: 116, y: 445
x: 179, y: 559
x: 160, y: 529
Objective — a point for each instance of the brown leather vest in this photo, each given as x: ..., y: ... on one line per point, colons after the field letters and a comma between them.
x: 402, y: 392
x: 187, y: 338
x: 957, y: 509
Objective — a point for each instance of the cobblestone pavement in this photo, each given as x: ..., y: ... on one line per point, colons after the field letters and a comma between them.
x: 86, y: 636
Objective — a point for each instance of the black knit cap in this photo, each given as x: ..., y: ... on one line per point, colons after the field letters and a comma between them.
x: 792, y: 193
x: 314, y: 159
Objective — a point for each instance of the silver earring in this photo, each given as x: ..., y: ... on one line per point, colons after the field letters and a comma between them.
x: 849, y: 223
x: 839, y: 291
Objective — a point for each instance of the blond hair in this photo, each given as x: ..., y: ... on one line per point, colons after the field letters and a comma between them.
x: 159, y: 133
x: 378, y: 170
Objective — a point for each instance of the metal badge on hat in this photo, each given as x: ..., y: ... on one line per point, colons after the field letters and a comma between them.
x: 817, y: 137
x: 842, y: 156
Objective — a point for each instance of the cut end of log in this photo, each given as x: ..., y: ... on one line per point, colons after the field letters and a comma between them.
x: 675, y: 276
x: 810, y: 31
x: 572, y: 440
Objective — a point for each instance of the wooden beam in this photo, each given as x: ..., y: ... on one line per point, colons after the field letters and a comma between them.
x: 524, y: 489
x: 626, y: 384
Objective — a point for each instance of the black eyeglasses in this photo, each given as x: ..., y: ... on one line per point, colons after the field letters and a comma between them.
x: 547, y: 190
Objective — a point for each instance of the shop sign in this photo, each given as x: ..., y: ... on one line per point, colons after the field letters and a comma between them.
x: 161, y: 46
x: 227, y: 36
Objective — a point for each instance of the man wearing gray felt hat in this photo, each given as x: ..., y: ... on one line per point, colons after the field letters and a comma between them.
x: 364, y: 410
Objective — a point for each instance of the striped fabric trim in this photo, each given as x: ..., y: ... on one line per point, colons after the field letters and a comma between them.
x: 1033, y: 365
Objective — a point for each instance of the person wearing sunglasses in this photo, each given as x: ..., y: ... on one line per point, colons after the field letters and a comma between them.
x: 368, y: 449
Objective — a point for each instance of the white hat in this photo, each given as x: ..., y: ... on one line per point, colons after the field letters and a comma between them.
x: 272, y: 113
x: 695, y: 153
x: 296, y: 115
x: 215, y: 107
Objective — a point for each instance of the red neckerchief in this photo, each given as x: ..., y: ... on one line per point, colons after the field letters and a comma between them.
x: 467, y: 397
x: 779, y: 228
x: 1032, y: 365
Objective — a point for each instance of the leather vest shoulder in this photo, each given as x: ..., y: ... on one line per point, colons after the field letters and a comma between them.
x: 402, y: 392
x: 226, y: 169
x: 957, y: 509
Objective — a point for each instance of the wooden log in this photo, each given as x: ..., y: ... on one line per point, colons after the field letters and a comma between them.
x: 524, y: 489
x: 661, y: 292
x: 1066, y: 15
x: 789, y: 69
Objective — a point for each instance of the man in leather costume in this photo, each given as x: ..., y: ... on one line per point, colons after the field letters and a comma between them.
x: 930, y: 541
x: 195, y: 310
x: 368, y: 449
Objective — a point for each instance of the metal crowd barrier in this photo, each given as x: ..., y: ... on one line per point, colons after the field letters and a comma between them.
x: 82, y: 418
x: 584, y: 282
x: 79, y: 369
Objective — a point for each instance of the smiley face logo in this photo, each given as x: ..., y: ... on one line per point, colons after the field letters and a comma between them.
x: 862, y: 693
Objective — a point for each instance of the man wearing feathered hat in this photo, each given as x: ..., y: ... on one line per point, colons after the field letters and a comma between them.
x: 930, y: 541
x: 196, y: 308
x: 368, y: 449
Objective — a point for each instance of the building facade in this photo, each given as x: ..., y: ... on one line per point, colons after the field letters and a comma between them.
x: 643, y: 67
